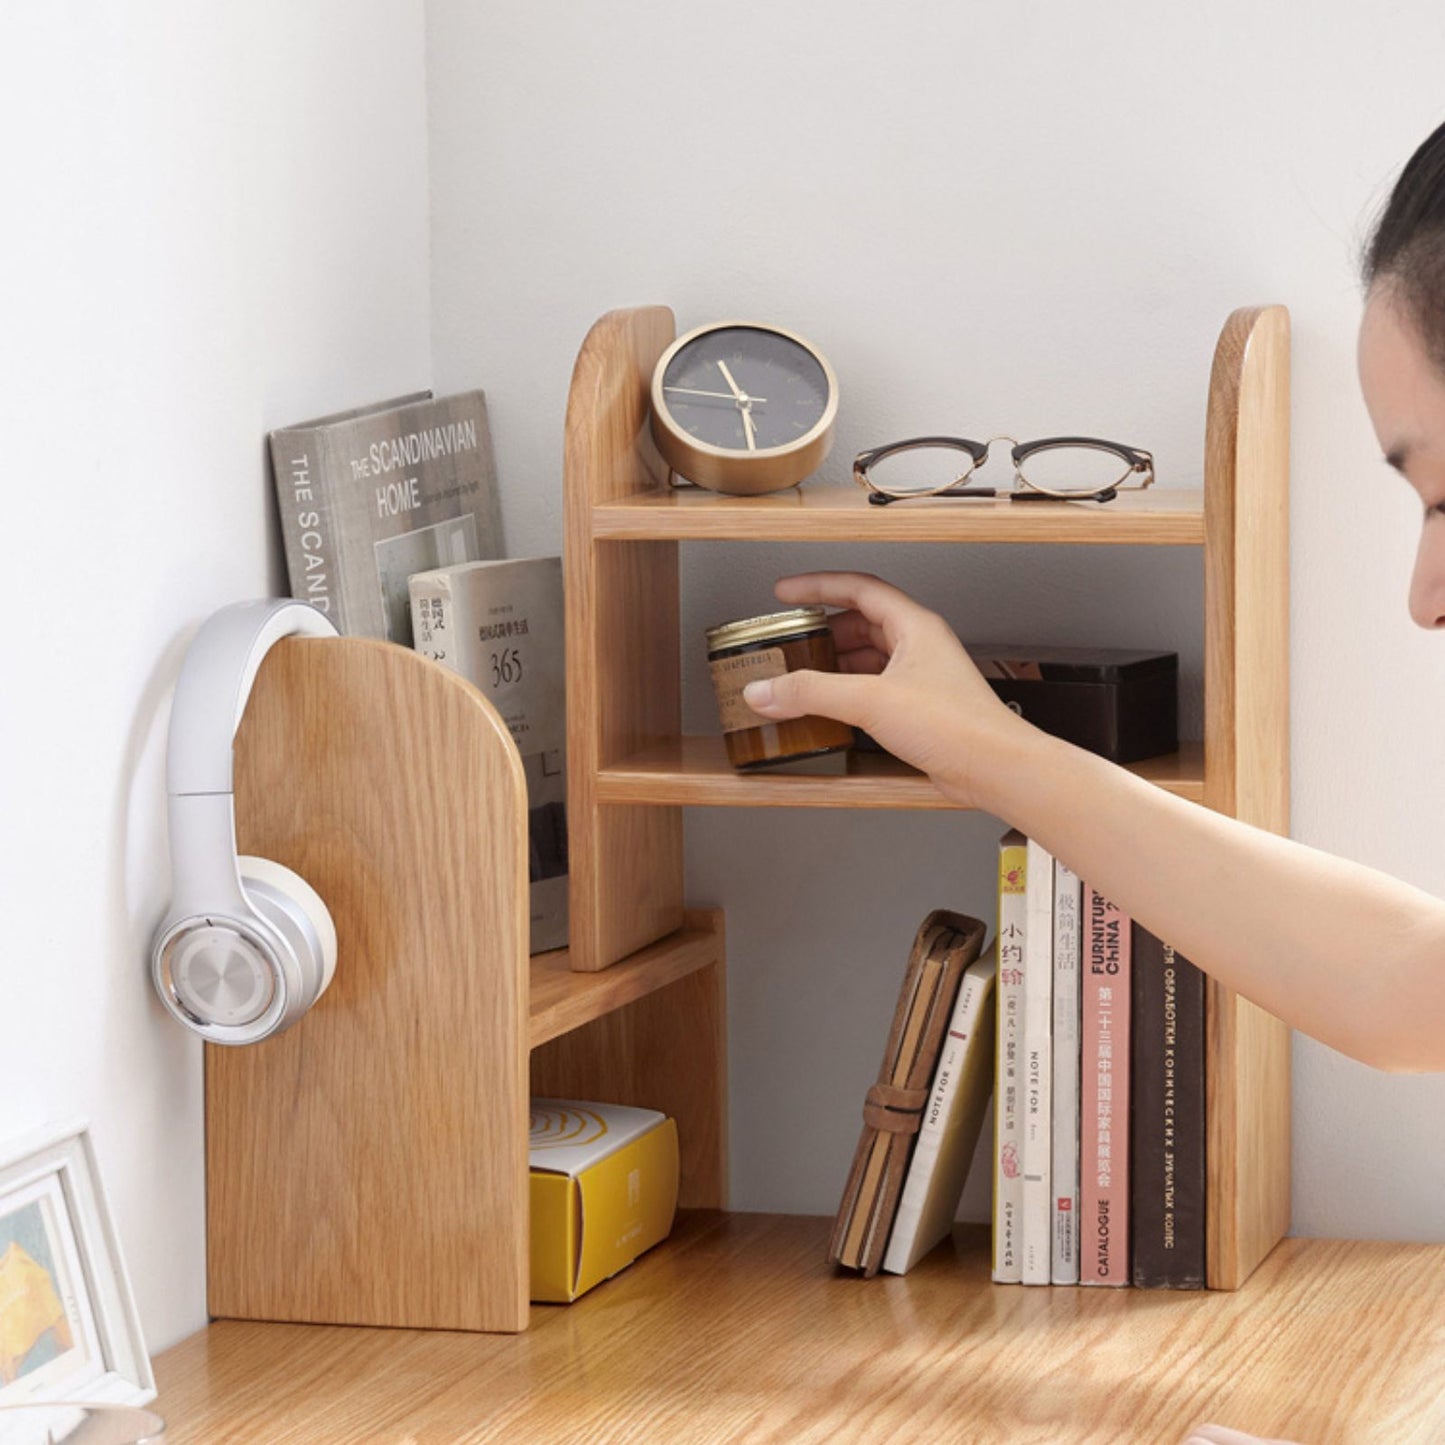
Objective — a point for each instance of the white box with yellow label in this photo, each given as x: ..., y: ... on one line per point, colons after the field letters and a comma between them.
x: 603, y: 1190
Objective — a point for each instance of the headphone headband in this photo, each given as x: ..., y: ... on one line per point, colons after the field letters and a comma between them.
x: 215, y: 682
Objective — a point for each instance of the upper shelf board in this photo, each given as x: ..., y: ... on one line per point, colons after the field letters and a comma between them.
x: 828, y: 512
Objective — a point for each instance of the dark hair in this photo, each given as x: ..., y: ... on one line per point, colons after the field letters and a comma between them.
x: 1408, y: 246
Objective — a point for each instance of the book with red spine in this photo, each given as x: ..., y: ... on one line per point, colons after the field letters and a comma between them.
x: 1104, y: 1095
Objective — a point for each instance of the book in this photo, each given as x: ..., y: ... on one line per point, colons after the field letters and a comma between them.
x: 952, y: 1121
x: 1007, y: 1109
x: 1168, y: 1188
x: 1038, y: 1069
x: 1104, y: 1096
x: 1068, y: 902
x: 943, y: 947
x: 370, y: 496
x: 500, y: 625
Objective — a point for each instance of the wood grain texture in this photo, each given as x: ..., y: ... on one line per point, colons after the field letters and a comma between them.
x: 668, y: 1051
x: 369, y: 1166
x: 623, y: 686
x: 1246, y: 729
x: 733, y: 1331
x: 833, y: 512
x: 563, y: 999
x: 694, y: 772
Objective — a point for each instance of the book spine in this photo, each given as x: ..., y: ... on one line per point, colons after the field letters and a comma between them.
x: 433, y: 621
x: 1038, y: 1066
x: 307, y: 509
x: 1067, y: 940
x: 1104, y: 1097
x: 923, y: 1163
x: 1008, y: 1133
x: 1167, y: 1144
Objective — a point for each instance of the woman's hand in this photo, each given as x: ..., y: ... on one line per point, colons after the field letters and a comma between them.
x: 906, y: 680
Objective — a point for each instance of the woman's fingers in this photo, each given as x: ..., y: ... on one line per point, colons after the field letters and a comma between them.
x: 852, y: 629
x: 828, y: 694
x: 877, y: 600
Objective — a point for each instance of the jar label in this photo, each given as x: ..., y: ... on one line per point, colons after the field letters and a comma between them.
x: 730, y: 675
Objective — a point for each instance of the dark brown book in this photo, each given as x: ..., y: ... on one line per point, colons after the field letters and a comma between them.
x: 944, y: 946
x: 1167, y: 1188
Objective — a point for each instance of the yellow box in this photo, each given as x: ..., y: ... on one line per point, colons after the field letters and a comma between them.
x: 604, y: 1189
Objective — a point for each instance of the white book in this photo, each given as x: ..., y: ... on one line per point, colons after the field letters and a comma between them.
x: 1038, y: 1212
x: 500, y: 625
x: 952, y: 1121
x: 1008, y: 1093
x: 1068, y: 906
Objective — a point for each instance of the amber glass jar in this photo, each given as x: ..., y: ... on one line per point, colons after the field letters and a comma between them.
x: 757, y: 647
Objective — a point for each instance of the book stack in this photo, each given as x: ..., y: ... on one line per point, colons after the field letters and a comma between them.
x: 392, y: 525
x: 1099, y: 1146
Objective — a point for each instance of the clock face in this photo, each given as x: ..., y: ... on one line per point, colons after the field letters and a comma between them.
x: 745, y: 388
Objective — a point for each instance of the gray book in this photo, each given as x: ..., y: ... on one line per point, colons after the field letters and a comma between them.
x: 500, y: 625
x: 370, y: 496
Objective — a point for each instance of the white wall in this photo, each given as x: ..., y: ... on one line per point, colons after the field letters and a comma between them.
x: 215, y: 222
x: 1027, y: 218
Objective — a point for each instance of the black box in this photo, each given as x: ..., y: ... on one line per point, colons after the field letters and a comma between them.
x: 1119, y: 703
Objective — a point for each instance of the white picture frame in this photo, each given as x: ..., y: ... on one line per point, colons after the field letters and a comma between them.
x: 69, y: 1329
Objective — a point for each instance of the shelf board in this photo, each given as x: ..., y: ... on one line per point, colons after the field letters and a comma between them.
x: 695, y: 772
x: 562, y: 1000
x: 823, y: 512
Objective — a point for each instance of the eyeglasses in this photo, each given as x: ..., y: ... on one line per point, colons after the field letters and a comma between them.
x: 1052, y: 469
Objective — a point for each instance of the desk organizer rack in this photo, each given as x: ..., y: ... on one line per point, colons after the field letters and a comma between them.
x: 369, y: 1166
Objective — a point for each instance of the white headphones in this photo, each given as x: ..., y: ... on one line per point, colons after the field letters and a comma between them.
x: 247, y: 946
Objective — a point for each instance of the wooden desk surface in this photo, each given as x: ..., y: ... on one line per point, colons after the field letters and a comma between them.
x: 735, y: 1330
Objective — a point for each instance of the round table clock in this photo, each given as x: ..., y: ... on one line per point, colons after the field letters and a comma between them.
x: 742, y: 407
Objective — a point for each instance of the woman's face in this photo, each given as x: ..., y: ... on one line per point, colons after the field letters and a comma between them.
x: 1405, y: 395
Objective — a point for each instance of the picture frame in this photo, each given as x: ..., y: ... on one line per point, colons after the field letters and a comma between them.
x: 69, y: 1329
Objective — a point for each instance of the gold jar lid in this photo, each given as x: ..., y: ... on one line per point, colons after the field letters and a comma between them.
x: 794, y: 622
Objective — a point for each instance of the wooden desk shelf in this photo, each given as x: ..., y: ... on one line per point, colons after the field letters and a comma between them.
x: 369, y: 1166
x: 632, y: 770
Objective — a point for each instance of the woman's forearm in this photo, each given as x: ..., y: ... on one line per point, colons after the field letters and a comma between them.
x: 1351, y: 956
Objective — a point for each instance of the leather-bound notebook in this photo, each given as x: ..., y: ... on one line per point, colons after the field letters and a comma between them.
x: 944, y: 946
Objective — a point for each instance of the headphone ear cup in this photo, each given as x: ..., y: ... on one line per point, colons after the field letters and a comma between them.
x: 289, y: 902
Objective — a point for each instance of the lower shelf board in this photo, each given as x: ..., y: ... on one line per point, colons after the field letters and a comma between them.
x: 562, y: 1000
x: 693, y: 771
x: 735, y: 1329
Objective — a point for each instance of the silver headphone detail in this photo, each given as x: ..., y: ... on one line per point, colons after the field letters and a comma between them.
x: 247, y: 945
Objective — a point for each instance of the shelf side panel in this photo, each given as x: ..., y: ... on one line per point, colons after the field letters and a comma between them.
x: 369, y: 1165
x: 623, y: 689
x: 666, y: 1051
x: 1246, y: 501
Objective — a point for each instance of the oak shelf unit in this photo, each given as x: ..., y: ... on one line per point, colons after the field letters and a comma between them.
x: 632, y: 770
x: 369, y: 1166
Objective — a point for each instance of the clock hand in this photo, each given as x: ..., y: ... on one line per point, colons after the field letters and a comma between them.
x: 728, y: 377
x: 748, y: 427
x: 721, y: 395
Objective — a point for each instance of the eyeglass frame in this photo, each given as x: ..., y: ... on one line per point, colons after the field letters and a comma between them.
x: 1137, y: 458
